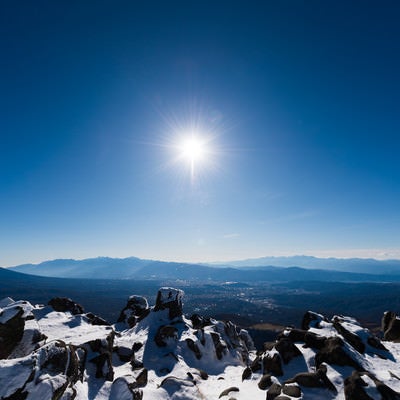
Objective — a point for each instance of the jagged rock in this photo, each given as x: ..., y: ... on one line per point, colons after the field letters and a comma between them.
x: 231, y: 332
x: 246, y: 373
x: 354, y: 340
x: 135, y: 310
x: 291, y: 390
x: 96, y: 320
x: 141, y: 379
x: 232, y: 338
x: 385, y: 391
x: 256, y: 364
x: 12, y: 326
x: 272, y: 364
x: 307, y: 379
x: 310, y: 339
x: 190, y: 375
x: 203, y: 374
x: 333, y: 353
x: 124, y: 388
x: 137, y: 346
x: 314, y: 341
x: 58, y: 360
x: 63, y: 304
x: 220, y: 348
x: 200, y: 335
x: 295, y: 335
x: 354, y: 387
x: 373, y: 341
x: 193, y: 346
x: 20, y: 394
x: 137, y: 394
x: 199, y: 322
x: 274, y: 391
x: 172, y: 385
x: 136, y: 364
x: 268, y: 346
x: 125, y: 354
x: 76, y: 369
x: 312, y: 320
x: 165, y: 333
x: 282, y: 397
x: 287, y: 349
x: 246, y: 339
x: 103, y: 362
x: 265, y: 382
x: 391, y: 326
x: 227, y: 391
x: 313, y: 379
x: 170, y: 299
x: 56, y: 357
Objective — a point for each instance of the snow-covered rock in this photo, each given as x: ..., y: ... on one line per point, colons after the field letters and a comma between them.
x: 170, y: 299
x: 156, y: 353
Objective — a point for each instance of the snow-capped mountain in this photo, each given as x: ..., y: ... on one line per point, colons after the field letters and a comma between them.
x: 154, y: 352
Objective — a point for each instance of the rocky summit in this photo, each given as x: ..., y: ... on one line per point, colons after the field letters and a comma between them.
x: 59, y: 351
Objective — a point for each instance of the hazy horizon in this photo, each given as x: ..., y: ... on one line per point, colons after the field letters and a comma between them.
x: 323, y: 255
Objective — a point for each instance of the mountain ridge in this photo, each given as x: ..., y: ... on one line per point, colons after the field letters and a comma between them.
x: 366, y: 265
x: 136, y: 268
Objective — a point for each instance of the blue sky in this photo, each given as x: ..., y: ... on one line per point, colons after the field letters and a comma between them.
x: 299, y: 99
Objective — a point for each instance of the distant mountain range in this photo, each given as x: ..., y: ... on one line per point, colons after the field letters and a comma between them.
x: 262, y: 269
x: 359, y: 265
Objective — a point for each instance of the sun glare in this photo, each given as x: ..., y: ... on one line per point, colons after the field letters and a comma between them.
x: 192, y: 144
x: 193, y: 149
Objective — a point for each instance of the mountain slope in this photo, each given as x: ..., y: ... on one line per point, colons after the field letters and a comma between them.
x: 97, y: 268
x: 61, y: 352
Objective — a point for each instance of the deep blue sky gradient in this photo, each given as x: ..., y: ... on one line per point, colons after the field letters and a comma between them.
x: 302, y: 97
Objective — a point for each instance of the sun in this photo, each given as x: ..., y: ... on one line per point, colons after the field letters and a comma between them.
x: 192, y: 144
x: 193, y: 149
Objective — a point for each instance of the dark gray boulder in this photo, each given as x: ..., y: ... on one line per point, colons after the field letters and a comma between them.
x: 135, y: 310
x: 11, y: 330
x: 391, y: 326
x: 170, y: 299
x: 287, y: 349
x: 220, y: 348
x: 165, y: 333
x: 265, y: 382
x: 333, y: 353
x: 193, y: 346
x: 312, y: 320
x: 354, y: 340
x: 274, y: 391
x: 272, y: 364
x: 63, y: 304
x: 291, y: 390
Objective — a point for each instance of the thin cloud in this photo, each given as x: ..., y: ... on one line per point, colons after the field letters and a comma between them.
x: 379, y: 254
x: 231, y: 235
